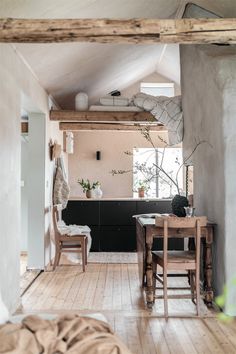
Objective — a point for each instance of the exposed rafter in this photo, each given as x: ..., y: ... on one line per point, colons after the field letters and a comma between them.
x: 99, y: 116
x: 198, y: 31
x: 108, y: 126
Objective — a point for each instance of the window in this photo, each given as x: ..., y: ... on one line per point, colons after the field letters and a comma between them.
x: 158, y: 89
x: 147, y: 163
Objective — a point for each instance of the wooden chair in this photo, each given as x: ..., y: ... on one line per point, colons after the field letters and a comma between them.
x: 179, y: 260
x: 67, y: 243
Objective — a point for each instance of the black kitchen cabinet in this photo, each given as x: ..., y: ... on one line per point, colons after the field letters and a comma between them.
x: 173, y: 244
x: 84, y: 213
x: 149, y: 206
x: 111, y: 222
x: 117, y: 238
x: 95, y: 233
x: 117, y: 212
x: 81, y: 213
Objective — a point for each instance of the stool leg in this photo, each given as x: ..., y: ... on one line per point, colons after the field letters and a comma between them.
x: 192, y: 284
x: 86, y: 251
x: 197, y: 284
x: 154, y: 272
x: 83, y: 254
x: 57, y: 258
x: 165, y: 291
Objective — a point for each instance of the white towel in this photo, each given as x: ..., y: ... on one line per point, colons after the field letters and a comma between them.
x: 114, y: 101
x: 73, y: 230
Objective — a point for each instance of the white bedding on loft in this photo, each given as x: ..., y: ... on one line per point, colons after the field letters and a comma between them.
x: 115, y: 108
x: 166, y: 110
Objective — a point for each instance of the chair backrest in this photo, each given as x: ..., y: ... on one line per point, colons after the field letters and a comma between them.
x: 181, y: 223
x: 194, y: 223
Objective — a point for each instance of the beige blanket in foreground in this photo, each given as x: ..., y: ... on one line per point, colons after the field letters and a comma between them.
x: 66, y: 334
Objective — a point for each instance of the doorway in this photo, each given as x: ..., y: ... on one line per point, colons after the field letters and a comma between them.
x: 32, y: 183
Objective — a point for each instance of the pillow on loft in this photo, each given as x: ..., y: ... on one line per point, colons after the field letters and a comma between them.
x: 4, y: 314
x: 114, y: 101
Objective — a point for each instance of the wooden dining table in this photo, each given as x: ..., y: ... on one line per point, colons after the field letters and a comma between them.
x: 147, y: 231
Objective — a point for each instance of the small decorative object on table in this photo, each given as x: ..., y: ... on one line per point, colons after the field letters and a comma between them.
x: 189, y: 210
x: 178, y: 204
x: 88, y: 187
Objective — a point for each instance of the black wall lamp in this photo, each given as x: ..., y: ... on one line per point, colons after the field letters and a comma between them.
x: 98, y: 155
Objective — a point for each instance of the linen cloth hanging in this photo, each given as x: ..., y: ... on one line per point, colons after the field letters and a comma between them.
x: 61, y: 190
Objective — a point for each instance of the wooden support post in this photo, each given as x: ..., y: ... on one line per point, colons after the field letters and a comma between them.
x: 106, y: 116
x: 109, y: 126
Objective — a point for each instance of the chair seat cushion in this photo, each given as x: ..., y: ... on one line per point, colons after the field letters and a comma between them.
x: 175, y: 256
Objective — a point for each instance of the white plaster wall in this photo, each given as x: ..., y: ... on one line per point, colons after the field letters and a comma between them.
x: 55, y: 134
x: 209, y: 88
x: 83, y: 163
x: 227, y: 74
x: 36, y: 187
x: 24, y: 194
x: 15, y: 79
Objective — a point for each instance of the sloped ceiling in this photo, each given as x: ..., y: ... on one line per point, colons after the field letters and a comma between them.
x: 97, y: 69
x: 65, y: 69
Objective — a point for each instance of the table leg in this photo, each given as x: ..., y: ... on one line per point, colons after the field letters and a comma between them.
x: 208, y: 268
x: 140, y: 239
x: 149, y: 275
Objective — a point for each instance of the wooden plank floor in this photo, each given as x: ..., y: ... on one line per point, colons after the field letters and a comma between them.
x: 113, y: 290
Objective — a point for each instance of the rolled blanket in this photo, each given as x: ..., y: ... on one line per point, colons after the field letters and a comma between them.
x: 167, y: 110
x: 66, y: 334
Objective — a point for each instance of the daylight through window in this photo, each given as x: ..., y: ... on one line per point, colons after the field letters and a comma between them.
x: 158, y: 89
x: 146, y: 171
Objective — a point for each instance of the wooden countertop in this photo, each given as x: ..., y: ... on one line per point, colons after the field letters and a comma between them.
x: 118, y: 199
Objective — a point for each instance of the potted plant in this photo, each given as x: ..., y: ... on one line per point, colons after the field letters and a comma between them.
x: 142, y: 187
x: 88, y: 186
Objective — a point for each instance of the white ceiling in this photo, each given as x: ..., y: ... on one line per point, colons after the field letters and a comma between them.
x: 89, y: 8
x: 97, y: 69
x: 65, y: 69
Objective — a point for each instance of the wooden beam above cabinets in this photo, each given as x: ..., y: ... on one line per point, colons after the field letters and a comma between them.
x: 134, y: 31
x: 24, y: 127
x: 109, y: 126
x: 98, y: 116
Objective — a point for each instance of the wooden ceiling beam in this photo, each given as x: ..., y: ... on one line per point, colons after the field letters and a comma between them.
x: 99, y: 116
x: 136, y: 31
x: 108, y: 126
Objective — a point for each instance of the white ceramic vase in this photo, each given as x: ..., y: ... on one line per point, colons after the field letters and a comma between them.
x: 81, y: 101
x: 98, y: 192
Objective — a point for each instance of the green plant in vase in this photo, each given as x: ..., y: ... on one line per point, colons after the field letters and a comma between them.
x: 88, y: 186
x: 141, y: 187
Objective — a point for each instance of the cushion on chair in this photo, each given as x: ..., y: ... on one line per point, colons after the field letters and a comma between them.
x: 175, y: 256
